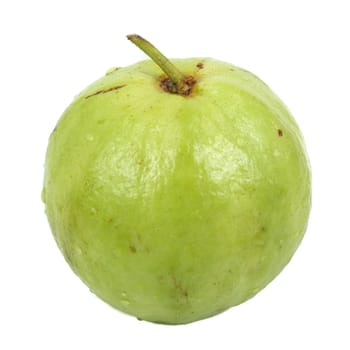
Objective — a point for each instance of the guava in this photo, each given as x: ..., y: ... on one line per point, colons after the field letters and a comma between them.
x: 176, y: 189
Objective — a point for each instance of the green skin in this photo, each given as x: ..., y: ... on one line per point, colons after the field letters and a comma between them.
x: 174, y: 208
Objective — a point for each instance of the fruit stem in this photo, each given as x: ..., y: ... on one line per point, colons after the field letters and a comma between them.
x: 179, y: 82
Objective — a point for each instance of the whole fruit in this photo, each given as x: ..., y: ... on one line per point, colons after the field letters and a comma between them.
x: 177, y: 189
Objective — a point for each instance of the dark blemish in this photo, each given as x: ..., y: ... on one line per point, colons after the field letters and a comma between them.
x: 168, y: 86
x: 280, y: 132
x: 189, y: 81
x: 232, y: 69
x: 139, y: 319
x: 106, y: 90
x: 178, y: 286
x: 132, y: 249
x: 200, y: 65
x: 112, y: 70
x: 262, y: 228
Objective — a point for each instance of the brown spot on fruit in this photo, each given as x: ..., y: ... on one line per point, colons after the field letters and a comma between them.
x: 179, y: 287
x: 103, y: 91
x: 167, y: 85
x: 187, y: 84
x: 200, y: 65
x: 280, y: 132
x: 132, y: 249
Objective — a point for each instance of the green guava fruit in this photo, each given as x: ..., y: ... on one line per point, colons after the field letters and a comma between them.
x: 177, y: 189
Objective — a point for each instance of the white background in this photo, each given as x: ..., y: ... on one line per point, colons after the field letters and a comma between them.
x: 52, y: 49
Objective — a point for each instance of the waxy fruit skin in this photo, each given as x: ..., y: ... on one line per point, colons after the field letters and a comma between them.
x: 174, y: 208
